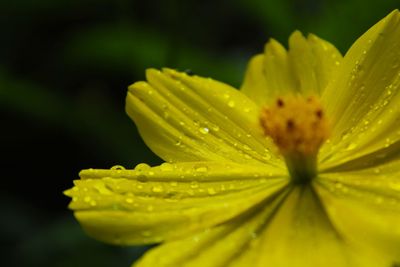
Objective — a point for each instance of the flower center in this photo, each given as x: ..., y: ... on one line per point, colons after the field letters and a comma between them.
x: 298, y: 126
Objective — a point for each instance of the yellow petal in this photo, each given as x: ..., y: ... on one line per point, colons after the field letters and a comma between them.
x: 268, y: 75
x: 365, y: 207
x: 217, y: 246
x: 306, y: 68
x: 148, y: 205
x: 313, y: 61
x: 189, y: 118
x: 300, y: 234
x: 284, y: 230
x: 374, y: 159
x: 363, y: 99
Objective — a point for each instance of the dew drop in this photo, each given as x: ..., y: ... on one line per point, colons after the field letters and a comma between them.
x: 267, y: 156
x: 129, y: 200
x: 201, y: 169
x: 231, y: 104
x: 194, y: 184
x: 142, y: 178
x: 388, y: 142
x: 215, y: 128
x: 173, y: 183
x: 157, y: 189
x: 211, y: 191
x: 178, y: 143
x: 142, y: 167
x: 351, y: 146
x: 204, y: 130
x: 165, y: 167
x: 117, y: 167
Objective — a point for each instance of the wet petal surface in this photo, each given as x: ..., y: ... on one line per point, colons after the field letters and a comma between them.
x: 363, y: 100
x: 148, y: 205
x: 290, y: 228
x: 364, y: 205
x: 189, y: 118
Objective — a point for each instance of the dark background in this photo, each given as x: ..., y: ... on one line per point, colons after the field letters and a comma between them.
x: 64, y: 69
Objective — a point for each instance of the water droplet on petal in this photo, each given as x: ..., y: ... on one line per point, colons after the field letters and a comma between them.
x: 142, y: 167
x: 166, y: 167
x: 211, y: 191
x: 178, y: 143
x: 231, y: 104
x: 201, y: 168
x: 117, y: 167
x: 351, y: 146
x: 194, y: 184
x: 157, y: 189
x: 204, y: 130
x: 215, y: 128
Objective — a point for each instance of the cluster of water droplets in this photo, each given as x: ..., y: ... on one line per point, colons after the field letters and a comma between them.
x: 374, y: 187
x: 374, y: 110
x: 198, y: 120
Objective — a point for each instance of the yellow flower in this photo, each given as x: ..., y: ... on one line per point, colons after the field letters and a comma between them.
x: 242, y: 184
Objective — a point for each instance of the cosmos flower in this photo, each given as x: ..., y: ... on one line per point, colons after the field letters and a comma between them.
x: 300, y: 167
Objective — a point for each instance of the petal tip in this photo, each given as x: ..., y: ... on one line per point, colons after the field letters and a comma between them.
x: 274, y: 47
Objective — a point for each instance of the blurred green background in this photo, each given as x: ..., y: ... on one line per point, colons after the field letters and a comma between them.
x: 64, y: 69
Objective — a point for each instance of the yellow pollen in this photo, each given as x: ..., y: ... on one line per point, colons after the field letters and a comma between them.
x: 296, y: 124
